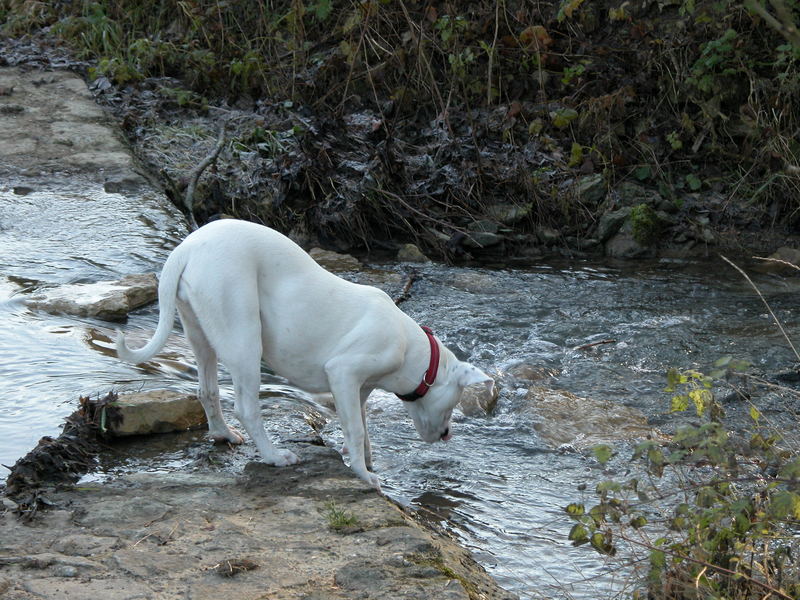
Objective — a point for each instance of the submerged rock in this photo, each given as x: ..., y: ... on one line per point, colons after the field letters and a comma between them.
x: 109, y: 300
x: 155, y: 411
x: 564, y: 418
x: 477, y: 400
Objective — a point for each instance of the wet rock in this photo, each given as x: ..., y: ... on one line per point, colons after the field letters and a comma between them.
x: 471, y: 281
x: 566, y: 419
x: 631, y: 193
x: 333, y: 261
x: 477, y: 400
x: 129, y: 183
x: 610, y: 223
x: 108, y: 300
x: 482, y: 239
x: 590, y: 189
x: 548, y: 235
x: 411, y: 253
x: 508, y: 214
x: 781, y: 262
x: 84, y: 545
x: 625, y: 245
x: 531, y: 372
x: 156, y: 411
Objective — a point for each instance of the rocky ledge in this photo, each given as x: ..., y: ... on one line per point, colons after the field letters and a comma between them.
x: 311, y: 531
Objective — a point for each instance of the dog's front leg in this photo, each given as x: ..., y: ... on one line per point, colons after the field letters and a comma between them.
x: 346, y: 395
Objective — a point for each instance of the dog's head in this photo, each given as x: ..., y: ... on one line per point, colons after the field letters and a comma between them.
x: 431, y: 413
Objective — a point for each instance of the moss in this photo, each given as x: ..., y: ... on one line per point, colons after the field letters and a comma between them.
x: 646, y: 225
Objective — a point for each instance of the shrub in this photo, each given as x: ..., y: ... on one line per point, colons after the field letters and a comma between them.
x: 713, y: 513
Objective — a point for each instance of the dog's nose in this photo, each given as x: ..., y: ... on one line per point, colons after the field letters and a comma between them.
x: 446, y: 434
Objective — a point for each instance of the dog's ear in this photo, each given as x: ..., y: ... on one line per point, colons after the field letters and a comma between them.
x: 470, y: 375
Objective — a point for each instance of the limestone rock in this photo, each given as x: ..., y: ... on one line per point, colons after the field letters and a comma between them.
x: 109, y: 300
x: 333, y: 261
x: 477, y: 400
x: 155, y: 411
x: 411, y: 253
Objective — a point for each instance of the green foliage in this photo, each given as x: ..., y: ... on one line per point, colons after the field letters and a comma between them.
x: 339, y: 518
x: 718, y: 59
x: 713, y: 513
x: 646, y: 224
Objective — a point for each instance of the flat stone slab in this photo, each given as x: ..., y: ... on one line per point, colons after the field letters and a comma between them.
x: 154, y: 411
x: 108, y: 300
x: 51, y: 124
x: 206, y: 535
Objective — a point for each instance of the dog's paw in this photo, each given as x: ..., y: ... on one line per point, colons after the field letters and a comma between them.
x: 228, y: 437
x: 375, y: 482
x: 283, y: 458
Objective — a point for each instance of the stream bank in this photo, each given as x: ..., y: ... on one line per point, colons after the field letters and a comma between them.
x: 206, y: 534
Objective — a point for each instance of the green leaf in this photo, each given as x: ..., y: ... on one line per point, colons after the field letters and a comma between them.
x: 723, y: 362
x: 754, y: 414
x: 702, y: 399
x: 578, y: 535
x: 790, y: 470
x: 785, y: 504
x: 638, y: 522
x: 658, y: 559
x: 575, y: 155
x: 603, y: 453
x: 602, y: 543
x: 575, y: 510
x: 642, y: 173
x: 679, y: 403
x: 694, y: 182
x: 562, y: 117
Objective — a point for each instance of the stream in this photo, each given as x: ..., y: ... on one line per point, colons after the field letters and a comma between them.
x: 497, y: 485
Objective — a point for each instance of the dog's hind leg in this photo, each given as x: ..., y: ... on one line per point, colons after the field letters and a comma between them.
x: 246, y: 375
x: 208, y: 386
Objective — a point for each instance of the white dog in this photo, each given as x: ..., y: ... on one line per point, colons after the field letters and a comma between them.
x: 245, y: 293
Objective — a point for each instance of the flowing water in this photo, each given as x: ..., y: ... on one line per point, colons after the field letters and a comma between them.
x: 499, y: 484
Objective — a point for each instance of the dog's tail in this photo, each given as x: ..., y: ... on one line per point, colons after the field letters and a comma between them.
x: 167, y: 294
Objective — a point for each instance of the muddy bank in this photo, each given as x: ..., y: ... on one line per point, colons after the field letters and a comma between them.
x: 311, y: 531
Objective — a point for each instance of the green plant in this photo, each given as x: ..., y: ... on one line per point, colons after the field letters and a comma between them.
x: 711, y: 512
x: 645, y: 224
x: 339, y: 518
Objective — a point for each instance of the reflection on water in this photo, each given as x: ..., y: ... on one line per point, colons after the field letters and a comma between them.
x: 498, y: 484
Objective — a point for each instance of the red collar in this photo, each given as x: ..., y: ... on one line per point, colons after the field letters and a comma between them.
x: 430, y: 375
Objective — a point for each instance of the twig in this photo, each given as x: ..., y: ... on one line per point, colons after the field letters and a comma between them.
x: 777, y: 260
x: 585, y: 346
x: 404, y: 295
x: 188, y: 199
x: 764, y: 300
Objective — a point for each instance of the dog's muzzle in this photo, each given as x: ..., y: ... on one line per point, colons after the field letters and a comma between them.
x: 446, y: 435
